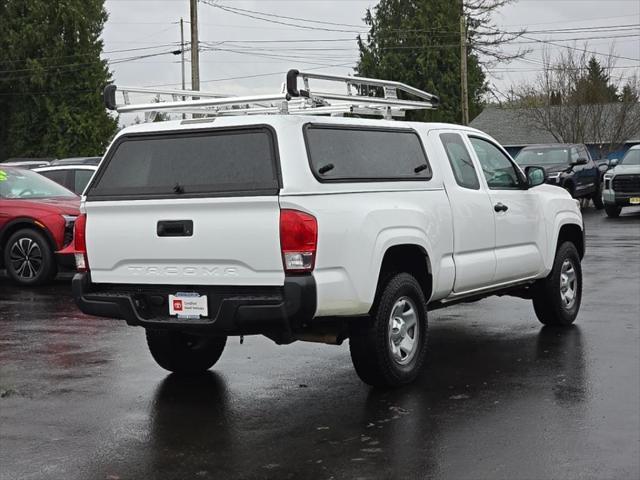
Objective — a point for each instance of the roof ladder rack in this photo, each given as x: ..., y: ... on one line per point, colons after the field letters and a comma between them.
x: 363, y: 96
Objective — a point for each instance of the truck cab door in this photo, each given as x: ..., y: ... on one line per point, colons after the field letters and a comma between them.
x: 578, y: 172
x: 473, y: 218
x: 590, y: 172
x: 519, y: 225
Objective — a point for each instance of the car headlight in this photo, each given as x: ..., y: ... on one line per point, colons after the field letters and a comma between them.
x: 69, y: 222
x: 69, y: 219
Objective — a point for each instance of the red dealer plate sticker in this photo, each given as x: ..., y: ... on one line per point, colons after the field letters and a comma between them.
x: 188, y: 305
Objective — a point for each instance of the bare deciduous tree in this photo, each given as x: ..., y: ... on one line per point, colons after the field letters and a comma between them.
x: 485, y: 38
x: 577, y: 99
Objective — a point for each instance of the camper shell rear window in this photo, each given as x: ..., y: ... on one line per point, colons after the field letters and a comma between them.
x: 220, y: 162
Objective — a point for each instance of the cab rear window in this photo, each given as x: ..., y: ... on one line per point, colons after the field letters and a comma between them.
x: 347, y: 154
x: 226, y: 162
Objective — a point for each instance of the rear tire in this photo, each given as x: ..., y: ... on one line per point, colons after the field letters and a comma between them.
x: 613, y: 211
x: 29, y: 258
x: 556, y: 299
x: 182, y: 353
x: 390, y: 350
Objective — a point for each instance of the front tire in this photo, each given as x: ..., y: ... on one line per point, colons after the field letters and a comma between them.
x: 29, y: 258
x: 390, y: 350
x: 557, y: 298
x: 597, y: 197
x: 182, y: 353
x: 613, y: 211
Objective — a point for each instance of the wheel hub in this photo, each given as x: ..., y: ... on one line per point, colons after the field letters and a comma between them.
x: 403, y: 331
x: 568, y: 284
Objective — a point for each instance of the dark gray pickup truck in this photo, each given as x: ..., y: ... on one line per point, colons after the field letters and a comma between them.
x: 567, y: 165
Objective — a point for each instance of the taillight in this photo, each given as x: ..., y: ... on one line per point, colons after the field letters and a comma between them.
x: 80, y: 243
x: 298, y: 240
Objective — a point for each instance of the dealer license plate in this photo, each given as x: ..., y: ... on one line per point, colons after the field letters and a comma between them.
x: 634, y: 200
x: 188, y: 305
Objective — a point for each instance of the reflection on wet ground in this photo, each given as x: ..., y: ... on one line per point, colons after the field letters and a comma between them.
x: 502, y: 397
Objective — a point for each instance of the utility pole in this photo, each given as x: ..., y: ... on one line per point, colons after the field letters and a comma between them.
x: 182, y: 57
x: 195, y: 47
x: 464, y: 91
x: 182, y: 50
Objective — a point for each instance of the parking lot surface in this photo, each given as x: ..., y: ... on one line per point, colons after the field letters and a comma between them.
x: 501, y: 397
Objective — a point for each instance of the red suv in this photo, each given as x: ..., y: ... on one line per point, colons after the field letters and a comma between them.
x: 36, y: 221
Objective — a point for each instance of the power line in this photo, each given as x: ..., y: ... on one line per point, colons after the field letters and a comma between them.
x: 254, y: 14
x: 593, y: 52
x: 75, y: 64
x: 208, y: 2
x: 90, y: 54
x: 238, y: 49
x: 509, y: 70
x: 628, y: 26
x: 549, y: 42
x: 436, y: 33
x: 399, y: 47
x: 242, y: 77
x: 556, y: 22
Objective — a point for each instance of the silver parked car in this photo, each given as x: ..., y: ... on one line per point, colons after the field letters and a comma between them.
x: 72, y: 177
x: 622, y: 183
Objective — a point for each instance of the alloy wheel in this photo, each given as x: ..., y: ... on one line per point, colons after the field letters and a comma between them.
x: 568, y: 284
x: 404, y: 331
x: 26, y: 259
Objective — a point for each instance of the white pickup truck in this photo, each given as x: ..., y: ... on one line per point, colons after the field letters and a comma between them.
x: 317, y: 229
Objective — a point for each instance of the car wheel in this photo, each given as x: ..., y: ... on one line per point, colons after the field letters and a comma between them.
x: 556, y: 299
x: 613, y: 211
x: 390, y: 350
x: 29, y: 258
x: 183, y: 353
x: 597, y: 197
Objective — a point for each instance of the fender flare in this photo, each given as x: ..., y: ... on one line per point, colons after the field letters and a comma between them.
x: 393, y: 237
x: 29, y: 223
x: 565, y: 217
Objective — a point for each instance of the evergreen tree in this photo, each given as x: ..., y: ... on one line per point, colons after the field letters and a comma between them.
x: 595, y: 86
x: 629, y: 94
x: 51, y: 78
x: 417, y: 42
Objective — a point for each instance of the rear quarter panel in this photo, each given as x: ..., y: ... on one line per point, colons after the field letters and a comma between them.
x: 355, y: 230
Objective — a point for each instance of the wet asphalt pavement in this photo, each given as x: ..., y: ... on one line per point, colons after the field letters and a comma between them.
x: 501, y: 398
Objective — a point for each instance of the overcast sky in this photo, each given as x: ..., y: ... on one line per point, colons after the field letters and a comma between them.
x: 236, y: 46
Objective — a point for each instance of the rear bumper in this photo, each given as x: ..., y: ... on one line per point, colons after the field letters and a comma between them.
x: 65, y: 262
x: 277, y: 312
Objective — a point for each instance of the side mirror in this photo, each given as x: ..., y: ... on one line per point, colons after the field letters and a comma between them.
x: 603, y: 165
x: 535, y: 176
x: 613, y: 162
x: 580, y: 161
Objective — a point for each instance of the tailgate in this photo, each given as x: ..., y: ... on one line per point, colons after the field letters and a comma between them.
x: 234, y: 241
x: 191, y: 208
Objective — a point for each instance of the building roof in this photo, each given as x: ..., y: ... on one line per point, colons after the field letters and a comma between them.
x: 513, y: 127
x: 509, y: 127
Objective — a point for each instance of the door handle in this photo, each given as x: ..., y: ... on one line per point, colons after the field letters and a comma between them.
x: 500, y: 207
x: 175, y: 228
